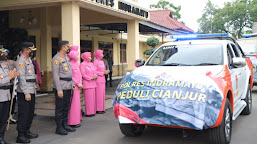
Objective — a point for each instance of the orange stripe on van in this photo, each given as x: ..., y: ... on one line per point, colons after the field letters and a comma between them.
x: 224, y: 83
x: 250, y: 65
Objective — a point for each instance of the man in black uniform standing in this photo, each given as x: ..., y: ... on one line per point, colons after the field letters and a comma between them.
x: 26, y: 91
x: 63, y: 85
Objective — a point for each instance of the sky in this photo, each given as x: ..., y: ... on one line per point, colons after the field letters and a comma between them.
x: 191, y: 10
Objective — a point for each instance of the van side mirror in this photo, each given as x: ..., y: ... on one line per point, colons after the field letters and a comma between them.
x: 238, y: 62
x: 139, y: 62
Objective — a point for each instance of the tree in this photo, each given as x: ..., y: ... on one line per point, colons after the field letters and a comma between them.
x: 233, y: 18
x: 163, y: 5
x: 252, y: 11
x: 152, y: 42
x: 207, y: 19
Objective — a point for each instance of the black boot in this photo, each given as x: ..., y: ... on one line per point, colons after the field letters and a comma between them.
x: 31, y: 135
x: 2, y: 141
x: 60, y: 130
x: 67, y: 127
x: 22, y: 139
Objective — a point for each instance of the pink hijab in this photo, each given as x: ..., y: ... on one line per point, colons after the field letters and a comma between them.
x: 97, y: 53
x: 73, y: 55
x: 74, y: 48
x: 85, y: 55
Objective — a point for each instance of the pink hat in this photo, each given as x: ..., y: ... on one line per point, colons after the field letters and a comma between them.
x: 74, y: 48
x: 97, y: 53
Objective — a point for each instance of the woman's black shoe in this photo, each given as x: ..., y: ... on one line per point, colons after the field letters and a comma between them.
x: 100, y: 112
x: 90, y: 115
x: 76, y: 126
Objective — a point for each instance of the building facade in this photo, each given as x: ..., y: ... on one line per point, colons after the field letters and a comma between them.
x: 119, y: 27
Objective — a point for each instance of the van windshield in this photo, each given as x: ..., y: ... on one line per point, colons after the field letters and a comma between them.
x: 248, y: 46
x: 188, y: 55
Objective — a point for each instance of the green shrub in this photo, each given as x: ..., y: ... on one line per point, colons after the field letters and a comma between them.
x: 148, y: 52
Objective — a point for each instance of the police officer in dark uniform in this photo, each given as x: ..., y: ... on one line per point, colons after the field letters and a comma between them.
x: 63, y: 85
x: 5, y: 97
x: 26, y: 91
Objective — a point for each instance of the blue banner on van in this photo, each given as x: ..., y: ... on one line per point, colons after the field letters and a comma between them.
x: 165, y: 99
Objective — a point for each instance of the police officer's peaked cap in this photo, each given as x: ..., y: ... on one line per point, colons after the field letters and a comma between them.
x: 2, y: 50
x: 7, y: 51
x: 63, y: 42
x: 28, y: 45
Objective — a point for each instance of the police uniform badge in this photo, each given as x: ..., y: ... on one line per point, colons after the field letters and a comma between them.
x: 66, y: 68
x: 21, y: 65
x: 56, y: 62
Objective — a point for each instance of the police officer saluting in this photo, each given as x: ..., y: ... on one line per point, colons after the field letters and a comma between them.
x: 63, y: 85
x: 26, y: 91
x: 5, y: 97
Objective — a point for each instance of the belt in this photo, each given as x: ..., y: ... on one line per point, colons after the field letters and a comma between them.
x: 4, y: 87
x: 30, y: 80
x: 66, y: 79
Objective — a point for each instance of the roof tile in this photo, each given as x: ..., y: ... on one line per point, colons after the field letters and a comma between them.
x: 164, y: 18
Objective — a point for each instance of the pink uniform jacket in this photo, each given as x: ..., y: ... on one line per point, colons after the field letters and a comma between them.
x: 88, y: 72
x: 76, y: 74
x: 74, y: 115
x: 100, y: 68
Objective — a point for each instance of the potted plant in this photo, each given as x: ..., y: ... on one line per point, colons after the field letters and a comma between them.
x: 148, y: 52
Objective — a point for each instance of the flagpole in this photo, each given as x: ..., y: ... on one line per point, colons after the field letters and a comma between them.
x: 10, y: 113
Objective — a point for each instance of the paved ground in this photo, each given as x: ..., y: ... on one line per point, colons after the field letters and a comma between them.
x: 104, y: 129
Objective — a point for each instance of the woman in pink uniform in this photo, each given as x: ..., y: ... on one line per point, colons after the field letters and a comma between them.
x: 75, y: 116
x: 100, y: 81
x: 89, y: 81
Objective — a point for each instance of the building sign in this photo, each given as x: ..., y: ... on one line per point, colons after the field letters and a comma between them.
x: 133, y: 9
x: 105, y: 2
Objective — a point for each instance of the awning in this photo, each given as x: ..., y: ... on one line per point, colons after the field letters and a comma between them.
x: 145, y: 27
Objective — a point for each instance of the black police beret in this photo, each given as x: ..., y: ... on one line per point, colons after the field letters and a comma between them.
x: 63, y: 42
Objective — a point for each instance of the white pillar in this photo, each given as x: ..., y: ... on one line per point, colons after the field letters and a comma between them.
x: 71, y: 23
x: 46, y: 49
x: 132, y: 44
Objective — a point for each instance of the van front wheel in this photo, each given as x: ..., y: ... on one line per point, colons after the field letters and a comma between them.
x: 132, y: 130
x: 222, y: 133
